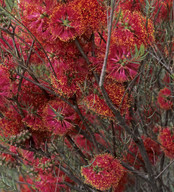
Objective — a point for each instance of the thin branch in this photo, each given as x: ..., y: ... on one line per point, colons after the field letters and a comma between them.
x: 102, y: 76
x: 81, y: 51
x: 19, y: 22
x: 78, y: 150
x: 113, y: 138
x: 164, y: 170
x: 138, y: 173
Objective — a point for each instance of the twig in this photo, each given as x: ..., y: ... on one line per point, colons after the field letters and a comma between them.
x: 138, y: 173
x: 102, y: 76
x: 81, y: 51
x: 113, y: 138
x: 164, y: 170
x: 78, y: 150
x: 19, y: 22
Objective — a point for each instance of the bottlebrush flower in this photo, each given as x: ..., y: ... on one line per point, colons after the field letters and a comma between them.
x: 60, y: 50
x: 50, y: 183
x: 63, y: 86
x: 164, y: 99
x: 34, y: 120
x: 123, y: 38
x: 28, y: 186
x: 47, y: 177
x: 132, y: 5
x: 166, y: 138
x: 36, y: 18
x: 69, y: 76
x: 65, y: 23
x: 133, y: 29
x: 120, y: 187
x: 30, y: 95
x: 121, y: 66
x: 103, y: 172
x: 116, y: 91
x: 161, y: 9
x: 58, y: 117
x: 92, y: 12
x: 11, y: 123
x: 96, y: 104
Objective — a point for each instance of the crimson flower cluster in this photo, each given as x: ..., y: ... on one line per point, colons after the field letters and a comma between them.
x: 52, y: 111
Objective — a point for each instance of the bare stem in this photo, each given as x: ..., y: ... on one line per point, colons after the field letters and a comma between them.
x: 102, y: 76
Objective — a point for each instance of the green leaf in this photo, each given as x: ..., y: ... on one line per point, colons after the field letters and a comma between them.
x: 9, y: 4
x: 142, y: 49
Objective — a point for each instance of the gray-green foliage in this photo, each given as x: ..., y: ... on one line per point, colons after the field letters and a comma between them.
x: 10, y: 4
x: 8, y: 178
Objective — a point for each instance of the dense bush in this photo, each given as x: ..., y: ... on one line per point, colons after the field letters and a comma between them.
x: 86, y: 95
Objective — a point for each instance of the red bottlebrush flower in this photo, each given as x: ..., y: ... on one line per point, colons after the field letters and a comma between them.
x: 96, y: 104
x: 65, y: 23
x: 166, y: 138
x: 164, y: 99
x: 133, y: 29
x: 121, y: 185
x: 121, y: 66
x: 69, y: 77
x: 30, y: 95
x: 61, y: 50
x: 34, y: 120
x: 161, y: 8
x: 93, y: 13
x: 41, y: 165
x: 11, y: 124
x: 132, y: 5
x: 58, y: 117
x: 49, y: 183
x: 123, y: 38
x: 116, y: 91
x: 28, y: 156
x: 48, y: 177
x: 62, y: 86
x: 29, y: 186
x: 36, y: 18
x: 103, y: 172
x: 134, y: 157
